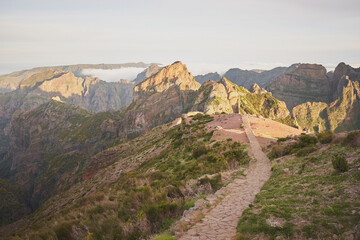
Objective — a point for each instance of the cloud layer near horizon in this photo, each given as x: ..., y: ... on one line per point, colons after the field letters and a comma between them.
x: 114, y: 75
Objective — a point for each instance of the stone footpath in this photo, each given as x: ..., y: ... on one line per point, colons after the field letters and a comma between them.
x: 221, y: 221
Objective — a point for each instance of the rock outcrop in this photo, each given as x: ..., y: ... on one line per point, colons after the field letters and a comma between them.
x: 225, y: 96
x: 305, y: 83
x: 175, y: 74
x: 256, y: 89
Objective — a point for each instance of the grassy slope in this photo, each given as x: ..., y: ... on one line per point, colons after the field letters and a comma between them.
x: 147, y: 199
x: 308, y: 197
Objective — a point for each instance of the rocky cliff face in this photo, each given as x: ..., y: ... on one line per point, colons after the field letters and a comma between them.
x: 162, y: 97
x: 305, y: 83
x: 175, y: 75
x: 341, y: 114
x: 225, y: 96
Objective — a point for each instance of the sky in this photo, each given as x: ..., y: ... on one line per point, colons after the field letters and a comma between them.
x: 206, y: 35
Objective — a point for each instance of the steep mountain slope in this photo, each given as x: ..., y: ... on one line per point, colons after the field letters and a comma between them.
x: 49, y: 145
x: 11, y: 81
x: 225, y: 96
x: 305, y: 83
x: 343, y: 114
x: 246, y: 78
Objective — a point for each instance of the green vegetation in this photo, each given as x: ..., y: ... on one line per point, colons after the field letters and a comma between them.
x: 352, y: 139
x: 306, y: 198
x: 148, y: 199
x: 164, y: 237
x: 303, y: 146
x: 340, y: 164
x: 325, y: 137
x: 63, y: 231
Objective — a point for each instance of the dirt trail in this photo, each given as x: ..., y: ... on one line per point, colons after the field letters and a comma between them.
x: 221, y: 221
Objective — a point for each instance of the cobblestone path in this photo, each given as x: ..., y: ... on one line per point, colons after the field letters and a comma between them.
x: 221, y: 221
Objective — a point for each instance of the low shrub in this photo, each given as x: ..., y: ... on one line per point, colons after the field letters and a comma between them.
x: 63, y: 230
x: 283, y: 139
x: 340, y: 164
x: 306, y: 140
x: 325, y: 137
x: 306, y: 150
x: 280, y: 150
x: 352, y: 139
x: 198, y: 151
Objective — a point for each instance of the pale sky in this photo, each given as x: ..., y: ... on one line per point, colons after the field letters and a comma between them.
x: 206, y: 35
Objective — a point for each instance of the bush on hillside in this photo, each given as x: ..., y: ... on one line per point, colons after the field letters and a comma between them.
x: 325, y: 137
x: 352, y: 139
x: 280, y: 150
x: 63, y: 230
x: 306, y: 140
x: 340, y: 164
x: 306, y: 150
x: 283, y: 139
x: 198, y: 151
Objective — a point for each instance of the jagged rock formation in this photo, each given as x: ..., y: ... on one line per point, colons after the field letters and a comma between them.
x: 209, y: 76
x: 256, y: 89
x: 246, y: 78
x: 305, y: 83
x: 341, y: 114
x: 154, y: 68
x: 225, y: 96
x: 172, y: 75
x: 10, y: 82
x: 163, y: 97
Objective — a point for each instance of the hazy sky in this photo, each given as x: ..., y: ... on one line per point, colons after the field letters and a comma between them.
x: 204, y: 34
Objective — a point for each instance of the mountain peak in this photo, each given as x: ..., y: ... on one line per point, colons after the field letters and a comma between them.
x: 175, y: 74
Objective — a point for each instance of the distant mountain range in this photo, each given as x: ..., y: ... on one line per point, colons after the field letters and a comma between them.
x: 9, y: 82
